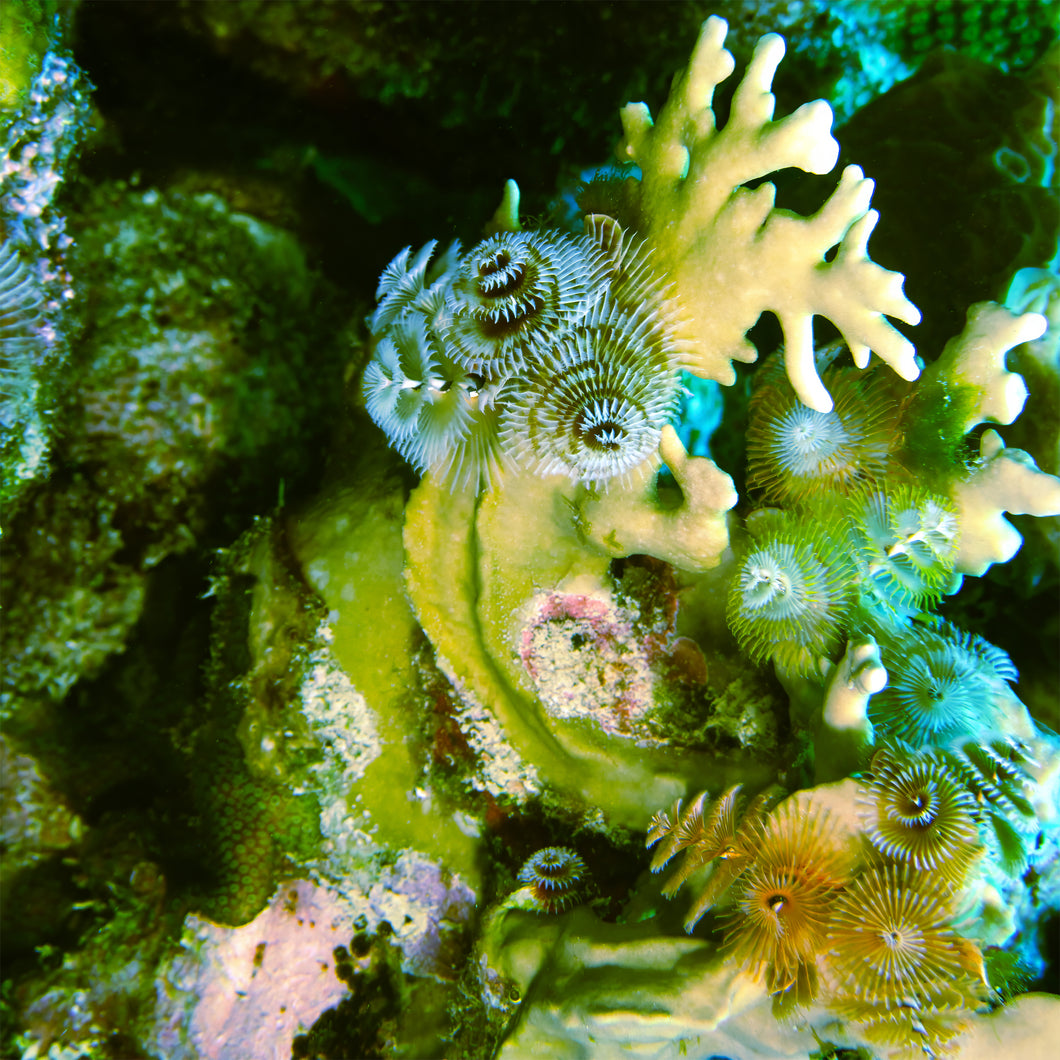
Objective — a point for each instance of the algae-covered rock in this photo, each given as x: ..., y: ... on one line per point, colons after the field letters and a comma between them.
x: 190, y: 384
x: 73, y: 599
x: 208, y: 329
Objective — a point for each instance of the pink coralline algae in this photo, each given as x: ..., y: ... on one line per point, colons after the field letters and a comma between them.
x: 597, y: 658
x: 246, y: 992
x: 426, y: 907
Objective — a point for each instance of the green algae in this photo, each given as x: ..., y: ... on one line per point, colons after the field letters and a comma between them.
x: 935, y: 441
x: 25, y: 35
x: 351, y: 549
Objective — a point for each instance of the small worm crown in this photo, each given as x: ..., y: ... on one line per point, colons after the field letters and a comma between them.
x: 873, y: 557
x: 917, y: 813
x: 540, y: 350
x: 908, y: 979
x: 998, y: 777
x: 791, y: 594
x: 906, y: 539
x: 942, y: 686
x: 872, y: 937
x: 796, y: 453
x: 721, y: 834
x: 554, y: 878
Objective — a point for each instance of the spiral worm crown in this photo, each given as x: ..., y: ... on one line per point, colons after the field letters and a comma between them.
x: 555, y: 876
x: 891, y: 937
x: 795, y: 453
x: 790, y: 598
x: 594, y: 404
x: 907, y: 541
x: 543, y: 350
x: 514, y: 290
x: 20, y: 302
x: 918, y: 813
x: 942, y: 686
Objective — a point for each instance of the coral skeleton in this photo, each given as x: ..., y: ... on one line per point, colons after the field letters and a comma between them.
x: 976, y: 359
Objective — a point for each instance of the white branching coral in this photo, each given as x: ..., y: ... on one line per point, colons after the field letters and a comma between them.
x: 730, y: 252
x: 858, y: 676
x: 1007, y: 480
x: 970, y: 384
x: 628, y: 520
x: 976, y: 359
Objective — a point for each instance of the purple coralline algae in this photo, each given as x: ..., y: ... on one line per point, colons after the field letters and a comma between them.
x: 244, y: 993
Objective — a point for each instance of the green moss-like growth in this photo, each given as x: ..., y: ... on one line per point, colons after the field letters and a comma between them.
x: 70, y: 602
x: 25, y: 35
x: 936, y: 428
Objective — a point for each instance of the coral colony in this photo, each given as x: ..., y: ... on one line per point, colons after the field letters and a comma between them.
x: 558, y: 753
x: 870, y: 911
